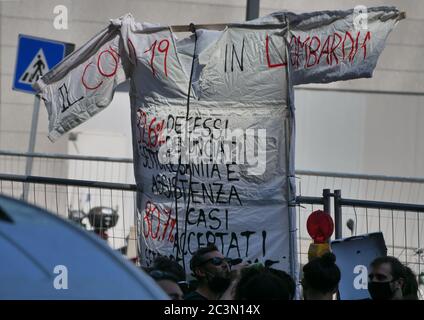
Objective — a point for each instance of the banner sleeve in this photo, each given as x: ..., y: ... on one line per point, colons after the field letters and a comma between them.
x: 329, y: 46
x: 83, y: 84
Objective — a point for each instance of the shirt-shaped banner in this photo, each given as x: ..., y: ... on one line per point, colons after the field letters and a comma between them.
x: 213, y: 121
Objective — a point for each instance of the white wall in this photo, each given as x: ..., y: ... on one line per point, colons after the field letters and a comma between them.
x: 360, y: 133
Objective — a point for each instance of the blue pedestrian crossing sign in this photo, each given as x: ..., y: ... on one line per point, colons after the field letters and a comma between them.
x: 35, y: 57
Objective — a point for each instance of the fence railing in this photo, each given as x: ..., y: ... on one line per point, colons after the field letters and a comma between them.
x: 69, y: 166
x: 373, y: 202
x: 61, y: 196
x: 309, y: 183
x: 400, y: 223
x: 362, y: 186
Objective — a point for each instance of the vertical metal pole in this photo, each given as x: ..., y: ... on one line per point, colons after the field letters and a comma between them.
x: 291, y: 209
x: 326, y: 195
x: 252, y: 9
x: 338, y: 213
x: 338, y: 221
x: 31, y: 146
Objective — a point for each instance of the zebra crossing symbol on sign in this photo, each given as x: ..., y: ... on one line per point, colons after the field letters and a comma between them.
x: 34, y: 58
x: 36, y: 69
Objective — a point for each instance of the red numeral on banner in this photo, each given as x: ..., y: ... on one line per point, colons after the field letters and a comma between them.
x: 163, y: 47
x: 155, y: 136
x: 151, y: 213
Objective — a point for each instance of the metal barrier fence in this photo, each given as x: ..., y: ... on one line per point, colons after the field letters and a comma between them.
x: 309, y: 183
x: 61, y: 196
x: 400, y: 223
x: 362, y: 186
x: 119, y: 170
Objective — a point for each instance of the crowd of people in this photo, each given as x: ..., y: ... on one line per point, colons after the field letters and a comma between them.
x: 219, y: 278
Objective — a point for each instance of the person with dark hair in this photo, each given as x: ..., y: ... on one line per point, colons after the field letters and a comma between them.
x: 212, y: 271
x: 289, y: 280
x: 386, y: 279
x: 164, y: 263
x: 321, y: 277
x: 171, y: 266
x: 421, y: 286
x: 168, y: 282
x: 389, y: 279
x: 262, y: 283
x: 410, y: 286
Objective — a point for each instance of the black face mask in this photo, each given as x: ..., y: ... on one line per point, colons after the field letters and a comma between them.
x: 380, y: 290
x: 218, y: 283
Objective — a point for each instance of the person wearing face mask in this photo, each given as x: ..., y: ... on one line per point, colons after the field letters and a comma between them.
x: 212, y: 270
x: 386, y: 279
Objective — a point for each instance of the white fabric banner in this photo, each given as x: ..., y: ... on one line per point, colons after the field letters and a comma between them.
x: 213, y: 133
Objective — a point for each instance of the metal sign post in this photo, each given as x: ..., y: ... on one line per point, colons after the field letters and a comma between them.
x: 35, y: 57
x: 31, y: 146
x: 252, y: 9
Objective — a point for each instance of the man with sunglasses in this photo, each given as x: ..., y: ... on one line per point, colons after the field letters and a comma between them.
x: 212, y: 270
